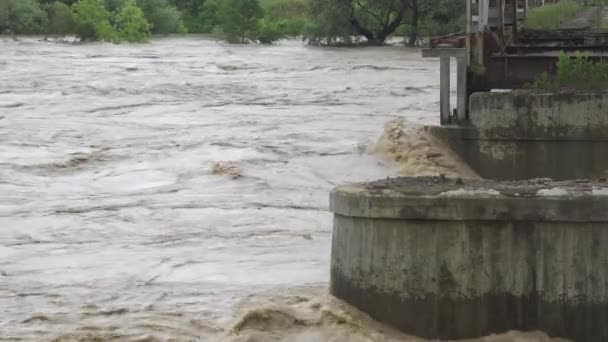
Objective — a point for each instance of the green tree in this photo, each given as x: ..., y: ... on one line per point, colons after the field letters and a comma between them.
x: 93, y: 21
x: 131, y: 24
x: 330, y: 24
x: 22, y: 17
x: 113, y: 5
x: 376, y: 20
x: 337, y: 21
x: 60, y: 19
x: 210, y: 15
x: 240, y: 19
x: 434, y: 17
x: 188, y: 7
x: 288, y: 16
x: 267, y: 32
x: 198, y: 15
x: 46, y: 3
x: 163, y: 17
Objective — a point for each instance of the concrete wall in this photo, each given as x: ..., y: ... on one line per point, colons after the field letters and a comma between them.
x: 446, y: 261
x: 523, y: 135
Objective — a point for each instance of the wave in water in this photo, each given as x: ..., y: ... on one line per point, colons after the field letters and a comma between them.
x: 417, y: 153
x: 312, y: 315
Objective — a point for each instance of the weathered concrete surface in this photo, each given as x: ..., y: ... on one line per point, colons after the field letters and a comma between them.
x: 540, y: 116
x: 523, y: 135
x: 444, y: 260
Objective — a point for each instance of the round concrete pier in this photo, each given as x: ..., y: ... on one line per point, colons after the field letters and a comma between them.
x: 446, y: 259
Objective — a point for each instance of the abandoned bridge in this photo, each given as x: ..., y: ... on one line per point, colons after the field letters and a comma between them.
x: 498, y: 51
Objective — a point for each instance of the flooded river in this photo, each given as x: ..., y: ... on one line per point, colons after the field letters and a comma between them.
x: 147, y: 191
x: 110, y: 214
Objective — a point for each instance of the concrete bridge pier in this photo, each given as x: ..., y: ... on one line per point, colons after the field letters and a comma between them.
x: 441, y: 259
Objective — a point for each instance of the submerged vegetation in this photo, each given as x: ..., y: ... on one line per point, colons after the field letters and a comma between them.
x: 346, y: 21
x: 574, y: 72
x: 552, y: 16
x: 320, y: 22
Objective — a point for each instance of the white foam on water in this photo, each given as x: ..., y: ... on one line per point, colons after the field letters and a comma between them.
x: 469, y: 193
x: 554, y: 192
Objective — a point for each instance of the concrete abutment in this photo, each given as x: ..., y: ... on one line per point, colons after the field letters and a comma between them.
x: 526, y: 134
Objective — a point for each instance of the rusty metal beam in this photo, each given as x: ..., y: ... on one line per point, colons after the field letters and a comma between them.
x: 516, y: 71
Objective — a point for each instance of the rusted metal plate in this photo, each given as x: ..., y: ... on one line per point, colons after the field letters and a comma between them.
x: 536, y: 52
x: 562, y: 37
x: 447, y: 52
x: 516, y: 71
x: 457, y: 40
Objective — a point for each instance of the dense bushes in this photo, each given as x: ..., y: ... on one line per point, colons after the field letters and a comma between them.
x: 131, y: 24
x: 289, y: 17
x: 574, y: 72
x: 330, y: 22
x: 330, y: 26
x: 239, y: 19
x: 107, y: 20
x: 92, y: 21
x: 22, y: 16
x: 163, y: 17
x: 268, y: 32
x: 61, y: 21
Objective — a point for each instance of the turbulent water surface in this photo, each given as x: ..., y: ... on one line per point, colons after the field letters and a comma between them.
x: 145, y: 190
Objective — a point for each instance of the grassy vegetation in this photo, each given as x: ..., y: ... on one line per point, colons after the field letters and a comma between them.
x: 576, y: 72
x: 550, y: 17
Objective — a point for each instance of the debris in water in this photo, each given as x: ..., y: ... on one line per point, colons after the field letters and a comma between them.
x: 36, y: 317
x: 78, y: 159
x: 225, y: 169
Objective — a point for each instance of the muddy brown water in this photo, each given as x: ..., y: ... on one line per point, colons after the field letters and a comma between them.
x: 114, y: 221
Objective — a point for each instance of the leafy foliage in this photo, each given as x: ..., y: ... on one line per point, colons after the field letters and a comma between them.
x: 22, y: 16
x: 131, y: 23
x: 434, y: 18
x: 163, y: 17
x: 93, y: 21
x: 288, y: 16
x: 330, y: 25
x: 46, y: 3
x: 268, y: 32
x: 343, y: 21
x: 337, y: 21
x: 209, y: 16
x: 240, y: 19
x: 263, y: 21
x: 113, y: 5
x: 60, y: 19
x: 194, y: 16
x: 574, y: 72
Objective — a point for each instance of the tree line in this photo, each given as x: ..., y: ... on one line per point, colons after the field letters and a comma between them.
x: 321, y: 22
